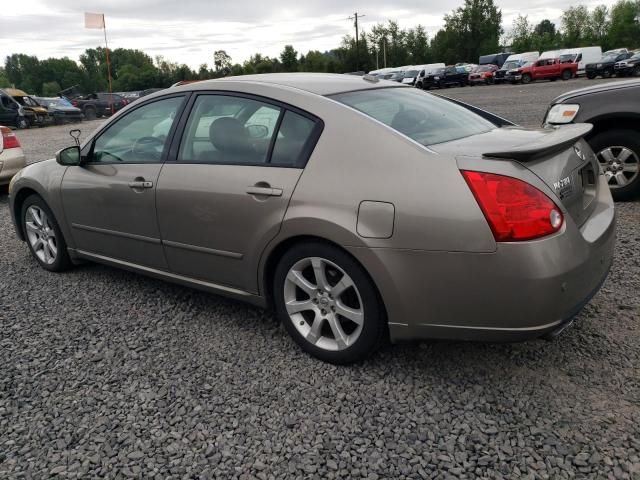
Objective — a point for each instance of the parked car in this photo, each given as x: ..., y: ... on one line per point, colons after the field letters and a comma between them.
x: 605, y: 67
x: 396, y: 76
x: 545, y: 69
x: 12, y: 158
x: 446, y: 77
x: 90, y: 105
x: 40, y: 115
x: 60, y: 109
x: 427, y: 70
x: 501, y: 75
x: 410, y: 76
x: 116, y: 102
x: 497, y: 59
x: 258, y: 194
x: 482, y: 74
x: 14, y: 114
x: 628, y: 67
x: 582, y: 56
x: 614, y: 111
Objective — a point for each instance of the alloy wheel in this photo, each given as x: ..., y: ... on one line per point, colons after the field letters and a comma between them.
x: 41, y: 235
x: 323, y: 303
x: 620, y: 164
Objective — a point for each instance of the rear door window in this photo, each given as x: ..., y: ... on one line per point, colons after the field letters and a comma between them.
x: 423, y: 117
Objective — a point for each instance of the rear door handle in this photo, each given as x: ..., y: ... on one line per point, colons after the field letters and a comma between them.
x: 265, y: 191
x: 141, y: 184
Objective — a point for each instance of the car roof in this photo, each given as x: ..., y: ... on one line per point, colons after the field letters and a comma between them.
x: 610, y: 86
x: 317, y: 83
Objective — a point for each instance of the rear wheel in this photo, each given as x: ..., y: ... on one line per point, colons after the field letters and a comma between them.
x: 328, y: 303
x: 526, y: 78
x: 618, y: 152
x: 90, y: 113
x: 43, y: 235
x: 591, y: 76
x: 636, y: 71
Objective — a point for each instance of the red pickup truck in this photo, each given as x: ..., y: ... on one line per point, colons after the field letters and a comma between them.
x: 548, y: 68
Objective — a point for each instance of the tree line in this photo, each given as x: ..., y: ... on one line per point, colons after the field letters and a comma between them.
x: 471, y: 30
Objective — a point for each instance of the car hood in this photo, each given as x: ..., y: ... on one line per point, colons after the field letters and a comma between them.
x: 627, y: 84
x: 65, y: 109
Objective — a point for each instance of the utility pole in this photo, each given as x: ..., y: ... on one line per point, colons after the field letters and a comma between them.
x: 384, y: 51
x: 355, y: 19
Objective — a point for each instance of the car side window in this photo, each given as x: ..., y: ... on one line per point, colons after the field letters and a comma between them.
x: 228, y: 130
x: 293, y: 137
x: 138, y: 137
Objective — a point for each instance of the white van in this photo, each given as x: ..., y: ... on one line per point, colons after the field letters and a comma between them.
x: 550, y: 54
x: 523, y: 58
x: 581, y: 56
x: 413, y: 71
x: 426, y: 70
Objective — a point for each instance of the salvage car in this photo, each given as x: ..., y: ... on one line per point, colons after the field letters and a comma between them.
x: 257, y: 193
x: 12, y: 158
x: 40, y: 115
x: 628, y: 67
x: 482, y: 74
x: 60, y: 109
x: 605, y: 67
x: 14, y: 114
x: 545, y: 69
x: 445, y: 77
x: 614, y: 111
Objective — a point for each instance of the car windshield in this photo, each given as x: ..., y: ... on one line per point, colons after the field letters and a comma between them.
x: 567, y: 57
x: 55, y: 102
x: 635, y: 57
x: 439, y: 71
x: 423, y: 117
x: 411, y: 73
x: 609, y: 58
x: 510, y: 65
x: 482, y: 68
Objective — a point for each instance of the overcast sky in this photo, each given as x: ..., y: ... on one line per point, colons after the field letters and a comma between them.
x: 189, y: 31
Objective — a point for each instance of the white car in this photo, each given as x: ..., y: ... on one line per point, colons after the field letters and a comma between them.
x: 12, y: 157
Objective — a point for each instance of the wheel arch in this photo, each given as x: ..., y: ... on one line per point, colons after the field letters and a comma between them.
x: 603, y: 123
x: 279, y: 249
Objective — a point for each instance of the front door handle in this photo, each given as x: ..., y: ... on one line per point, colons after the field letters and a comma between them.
x: 140, y: 184
x: 265, y: 191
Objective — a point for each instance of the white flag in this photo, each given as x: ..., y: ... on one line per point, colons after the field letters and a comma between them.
x: 93, y: 20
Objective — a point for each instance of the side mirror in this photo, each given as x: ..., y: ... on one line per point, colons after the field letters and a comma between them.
x: 69, y: 156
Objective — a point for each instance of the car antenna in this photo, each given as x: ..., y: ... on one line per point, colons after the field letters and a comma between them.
x: 75, y: 134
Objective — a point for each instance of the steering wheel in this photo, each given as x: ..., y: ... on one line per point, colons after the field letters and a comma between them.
x: 146, y: 146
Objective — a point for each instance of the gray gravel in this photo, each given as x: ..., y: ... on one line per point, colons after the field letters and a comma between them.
x: 107, y: 373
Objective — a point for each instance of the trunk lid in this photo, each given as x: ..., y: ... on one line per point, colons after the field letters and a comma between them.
x: 558, y: 156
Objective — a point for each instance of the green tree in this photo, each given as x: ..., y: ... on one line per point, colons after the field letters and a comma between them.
x: 522, y: 35
x: 576, y: 26
x: 4, y: 80
x: 289, y: 59
x: 50, y: 89
x: 624, y: 29
x: 222, y: 62
x: 599, y: 26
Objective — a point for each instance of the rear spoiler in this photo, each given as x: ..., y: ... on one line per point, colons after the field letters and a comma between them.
x: 558, y: 139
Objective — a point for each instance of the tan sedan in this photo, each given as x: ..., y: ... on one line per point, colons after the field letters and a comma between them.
x: 12, y: 158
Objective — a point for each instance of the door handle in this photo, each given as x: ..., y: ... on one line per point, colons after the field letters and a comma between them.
x: 265, y: 191
x: 141, y: 184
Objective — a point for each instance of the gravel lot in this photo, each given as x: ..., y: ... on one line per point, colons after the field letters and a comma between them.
x: 111, y: 374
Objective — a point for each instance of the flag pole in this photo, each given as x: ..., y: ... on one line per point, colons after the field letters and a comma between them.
x: 106, y: 45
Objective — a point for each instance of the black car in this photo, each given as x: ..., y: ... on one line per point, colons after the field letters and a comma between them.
x: 614, y: 111
x: 115, y: 101
x: 14, y: 114
x: 500, y: 75
x: 605, y: 67
x: 60, y: 109
x: 446, y: 77
x: 630, y: 66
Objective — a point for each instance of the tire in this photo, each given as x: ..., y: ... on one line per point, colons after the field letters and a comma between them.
x: 22, y: 123
x: 636, y: 71
x: 606, y: 74
x: 361, y: 298
x: 58, y: 121
x: 566, y: 75
x: 50, y: 230
x: 591, y: 76
x: 526, y: 78
x: 616, y: 140
x: 90, y: 113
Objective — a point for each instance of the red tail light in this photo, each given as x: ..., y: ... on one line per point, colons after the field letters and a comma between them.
x: 9, y: 139
x: 514, y: 209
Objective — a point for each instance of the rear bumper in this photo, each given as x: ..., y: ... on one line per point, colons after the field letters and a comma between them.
x: 521, y: 291
x: 12, y: 161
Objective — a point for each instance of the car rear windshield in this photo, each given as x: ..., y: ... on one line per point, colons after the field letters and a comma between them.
x: 423, y: 117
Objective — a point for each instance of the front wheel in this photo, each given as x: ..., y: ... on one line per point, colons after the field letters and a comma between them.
x: 526, y: 78
x: 22, y: 123
x: 591, y: 76
x: 43, y: 235
x: 606, y: 74
x: 566, y: 75
x: 328, y: 303
x: 618, y: 152
x: 636, y: 71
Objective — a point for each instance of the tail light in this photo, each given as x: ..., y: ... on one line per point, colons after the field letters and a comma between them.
x: 9, y: 139
x: 514, y: 209
x: 74, y: 103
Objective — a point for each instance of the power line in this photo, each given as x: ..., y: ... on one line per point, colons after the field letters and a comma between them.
x: 355, y: 19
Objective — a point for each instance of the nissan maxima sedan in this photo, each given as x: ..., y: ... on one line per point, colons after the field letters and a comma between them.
x: 359, y: 209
